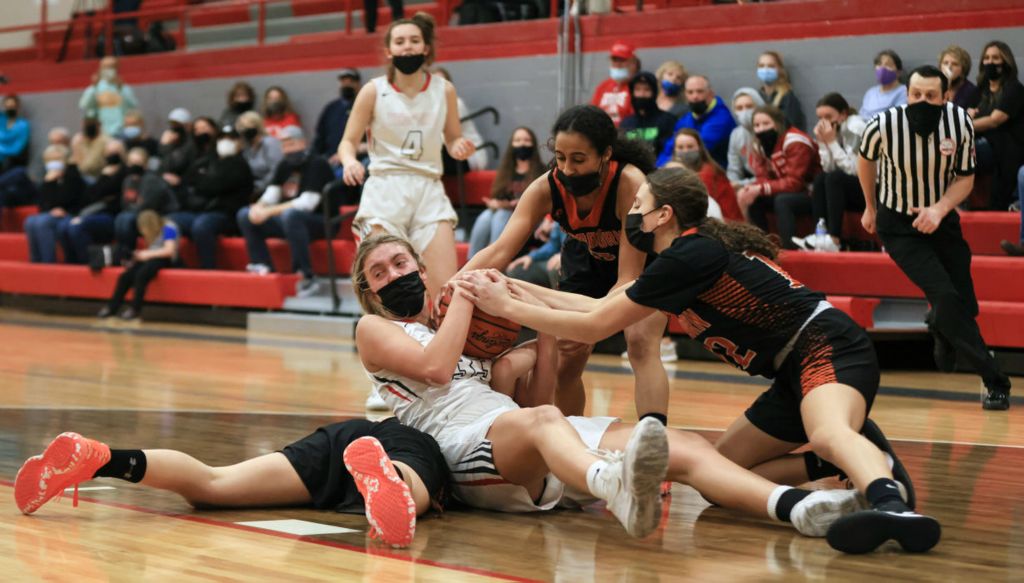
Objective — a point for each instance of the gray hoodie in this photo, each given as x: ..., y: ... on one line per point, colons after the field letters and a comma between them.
x: 740, y: 141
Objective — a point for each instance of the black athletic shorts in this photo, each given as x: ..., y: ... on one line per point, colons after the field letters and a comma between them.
x: 317, y: 458
x: 583, y: 274
x: 831, y: 349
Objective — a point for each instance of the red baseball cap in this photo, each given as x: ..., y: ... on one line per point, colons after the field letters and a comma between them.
x: 622, y: 50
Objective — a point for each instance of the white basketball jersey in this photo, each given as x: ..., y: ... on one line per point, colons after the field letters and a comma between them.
x: 430, y: 409
x: 407, y: 134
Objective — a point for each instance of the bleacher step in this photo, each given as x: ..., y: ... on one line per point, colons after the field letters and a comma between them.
x: 320, y: 303
x: 304, y: 325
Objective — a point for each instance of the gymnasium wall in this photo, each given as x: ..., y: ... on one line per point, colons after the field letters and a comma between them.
x: 524, y: 89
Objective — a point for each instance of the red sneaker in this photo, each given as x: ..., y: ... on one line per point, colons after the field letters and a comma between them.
x: 390, y: 508
x: 68, y: 460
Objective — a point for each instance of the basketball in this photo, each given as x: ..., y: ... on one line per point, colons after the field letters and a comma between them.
x: 488, y: 335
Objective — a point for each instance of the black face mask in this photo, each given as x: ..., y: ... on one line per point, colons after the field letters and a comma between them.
x: 992, y: 71
x: 523, y: 152
x: 923, y: 118
x: 12, y: 113
x: 404, y: 296
x: 202, y: 140
x: 113, y: 159
x: 91, y: 130
x: 579, y: 184
x: 249, y: 134
x: 241, y: 106
x: 136, y: 170
x: 698, y: 107
x: 768, y: 139
x: 295, y: 159
x: 178, y: 130
x: 644, y: 105
x: 408, y: 64
x: 635, y: 234
x: 348, y: 93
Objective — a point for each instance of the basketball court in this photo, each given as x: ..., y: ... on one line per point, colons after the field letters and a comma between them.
x: 223, y: 395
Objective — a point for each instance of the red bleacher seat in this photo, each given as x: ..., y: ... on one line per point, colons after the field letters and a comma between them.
x: 985, y: 229
x: 1002, y: 323
x: 13, y: 247
x: 477, y: 187
x: 13, y: 218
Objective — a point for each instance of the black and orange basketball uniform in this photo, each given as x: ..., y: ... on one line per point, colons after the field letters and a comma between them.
x: 754, y: 316
x: 590, y: 254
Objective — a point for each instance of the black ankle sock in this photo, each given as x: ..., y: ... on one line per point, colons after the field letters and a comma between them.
x: 124, y: 464
x: 658, y: 416
x: 884, y: 494
x: 818, y: 468
x: 398, y: 471
x: 787, y: 501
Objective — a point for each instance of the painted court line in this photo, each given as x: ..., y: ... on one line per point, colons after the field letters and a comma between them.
x: 298, y: 527
x: 89, y: 488
x: 378, y: 551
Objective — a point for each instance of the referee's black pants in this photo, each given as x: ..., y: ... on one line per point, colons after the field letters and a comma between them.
x: 940, y: 264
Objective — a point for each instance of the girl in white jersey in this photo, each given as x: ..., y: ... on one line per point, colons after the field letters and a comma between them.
x: 503, y: 457
x: 410, y: 114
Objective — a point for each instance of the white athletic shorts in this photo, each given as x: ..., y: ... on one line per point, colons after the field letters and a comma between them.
x: 405, y: 205
x: 478, y: 484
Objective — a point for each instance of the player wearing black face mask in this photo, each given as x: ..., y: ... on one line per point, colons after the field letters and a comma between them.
x: 648, y: 123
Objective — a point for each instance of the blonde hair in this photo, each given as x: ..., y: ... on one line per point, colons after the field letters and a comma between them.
x: 671, y: 66
x: 962, y: 56
x: 149, y: 223
x: 369, y: 303
x: 56, y: 152
x: 782, y: 84
x: 250, y: 119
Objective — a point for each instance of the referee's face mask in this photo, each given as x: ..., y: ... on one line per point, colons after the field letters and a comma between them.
x: 925, y: 104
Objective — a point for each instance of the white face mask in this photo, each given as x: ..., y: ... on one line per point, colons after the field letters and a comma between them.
x: 745, y: 118
x: 108, y: 74
x: 226, y: 148
x: 54, y: 166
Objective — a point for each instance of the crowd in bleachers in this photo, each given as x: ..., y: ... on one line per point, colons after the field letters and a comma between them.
x: 253, y: 172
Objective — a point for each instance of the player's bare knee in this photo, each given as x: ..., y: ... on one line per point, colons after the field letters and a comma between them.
x: 546, y: 415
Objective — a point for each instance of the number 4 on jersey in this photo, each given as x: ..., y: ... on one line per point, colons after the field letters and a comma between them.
x: 412, y: 147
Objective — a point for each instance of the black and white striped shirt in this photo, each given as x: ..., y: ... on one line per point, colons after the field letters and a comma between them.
x: 914, y: 172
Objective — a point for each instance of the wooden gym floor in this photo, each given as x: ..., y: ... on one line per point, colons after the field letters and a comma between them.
x: 224, y: 396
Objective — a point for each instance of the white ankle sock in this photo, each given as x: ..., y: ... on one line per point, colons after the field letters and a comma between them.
x: 597, y: 488
x: 773, y: 500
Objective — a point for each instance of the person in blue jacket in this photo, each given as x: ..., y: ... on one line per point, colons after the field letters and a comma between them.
x: 709, y: 115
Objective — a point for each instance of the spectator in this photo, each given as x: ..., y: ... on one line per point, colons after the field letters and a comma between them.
x: 837, y: 188
x: 289, y: 208
x: 785, y: 163
x: 87, y: 149
x: 741, y: 139
x: 331, y: 125
x: 162, y: 243
x: 59, y: 136
x: 520, y: 166
x: 277, y: 112
x: 108, y: 98
x: 612, y: 95
x: 101, y: 201
x: 671, y: 78
x: 241, y: 98
x: 262, y: 152
x: 777, y: 90
x: 1011, y: 248
x: 999, y: 122
x: 218, y: 186
x: 691, y: 153
x: 14, y: 134
x: 134, y: 135
x: 177, y: 150
x: 889, y: 92
x: 142, y: 190
x: 370, y: 13
x: 15, y: 187
x: 647, y: 124
x: 543, y: 265
x: 204, y: 136
x: 480, y: 159
x: 955, y: 63
x: 60, y: 196
x: 708, y: 115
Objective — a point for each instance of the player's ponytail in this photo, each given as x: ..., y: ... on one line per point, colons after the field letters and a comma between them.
x: 684, y: 191
x: 597, y: 127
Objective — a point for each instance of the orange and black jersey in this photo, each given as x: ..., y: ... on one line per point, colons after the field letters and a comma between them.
x: 600, y: 229
x: 742, y: 307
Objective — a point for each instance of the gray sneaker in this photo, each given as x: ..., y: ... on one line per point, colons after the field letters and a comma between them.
x: 814, y: 514
x: 635, y: 477
x: 307, y: 286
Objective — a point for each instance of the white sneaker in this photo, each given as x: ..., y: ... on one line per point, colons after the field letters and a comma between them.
x: 668, y: 352
x: 814, y: 514
x: 258, y: 268
x: 634, y: 478
x: 801, y: 243
x: 375, y: 402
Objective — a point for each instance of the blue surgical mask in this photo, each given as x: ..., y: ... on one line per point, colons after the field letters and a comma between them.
x: 54, y: 166
x: 131, y: 132
x: 619, y: 74
x: 768, y: 74
x: 671, y: 89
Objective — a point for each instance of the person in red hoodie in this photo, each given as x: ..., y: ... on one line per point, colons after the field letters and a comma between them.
x: 612, y: 95
x: 690, y: 151
x: 784, y: 164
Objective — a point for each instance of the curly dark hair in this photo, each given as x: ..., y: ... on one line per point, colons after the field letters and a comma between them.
x: 594, y: 124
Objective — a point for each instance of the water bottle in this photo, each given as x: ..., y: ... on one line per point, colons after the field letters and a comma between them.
x: 820, y: 235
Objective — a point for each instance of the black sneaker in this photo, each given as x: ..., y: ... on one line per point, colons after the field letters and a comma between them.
x: 874, y: 434
x: 996, y: 400
x: 1012, y: 249
x: 944, y: 353
x: 864, y: 531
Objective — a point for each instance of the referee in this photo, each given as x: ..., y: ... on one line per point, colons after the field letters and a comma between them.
x: 925, y: 153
